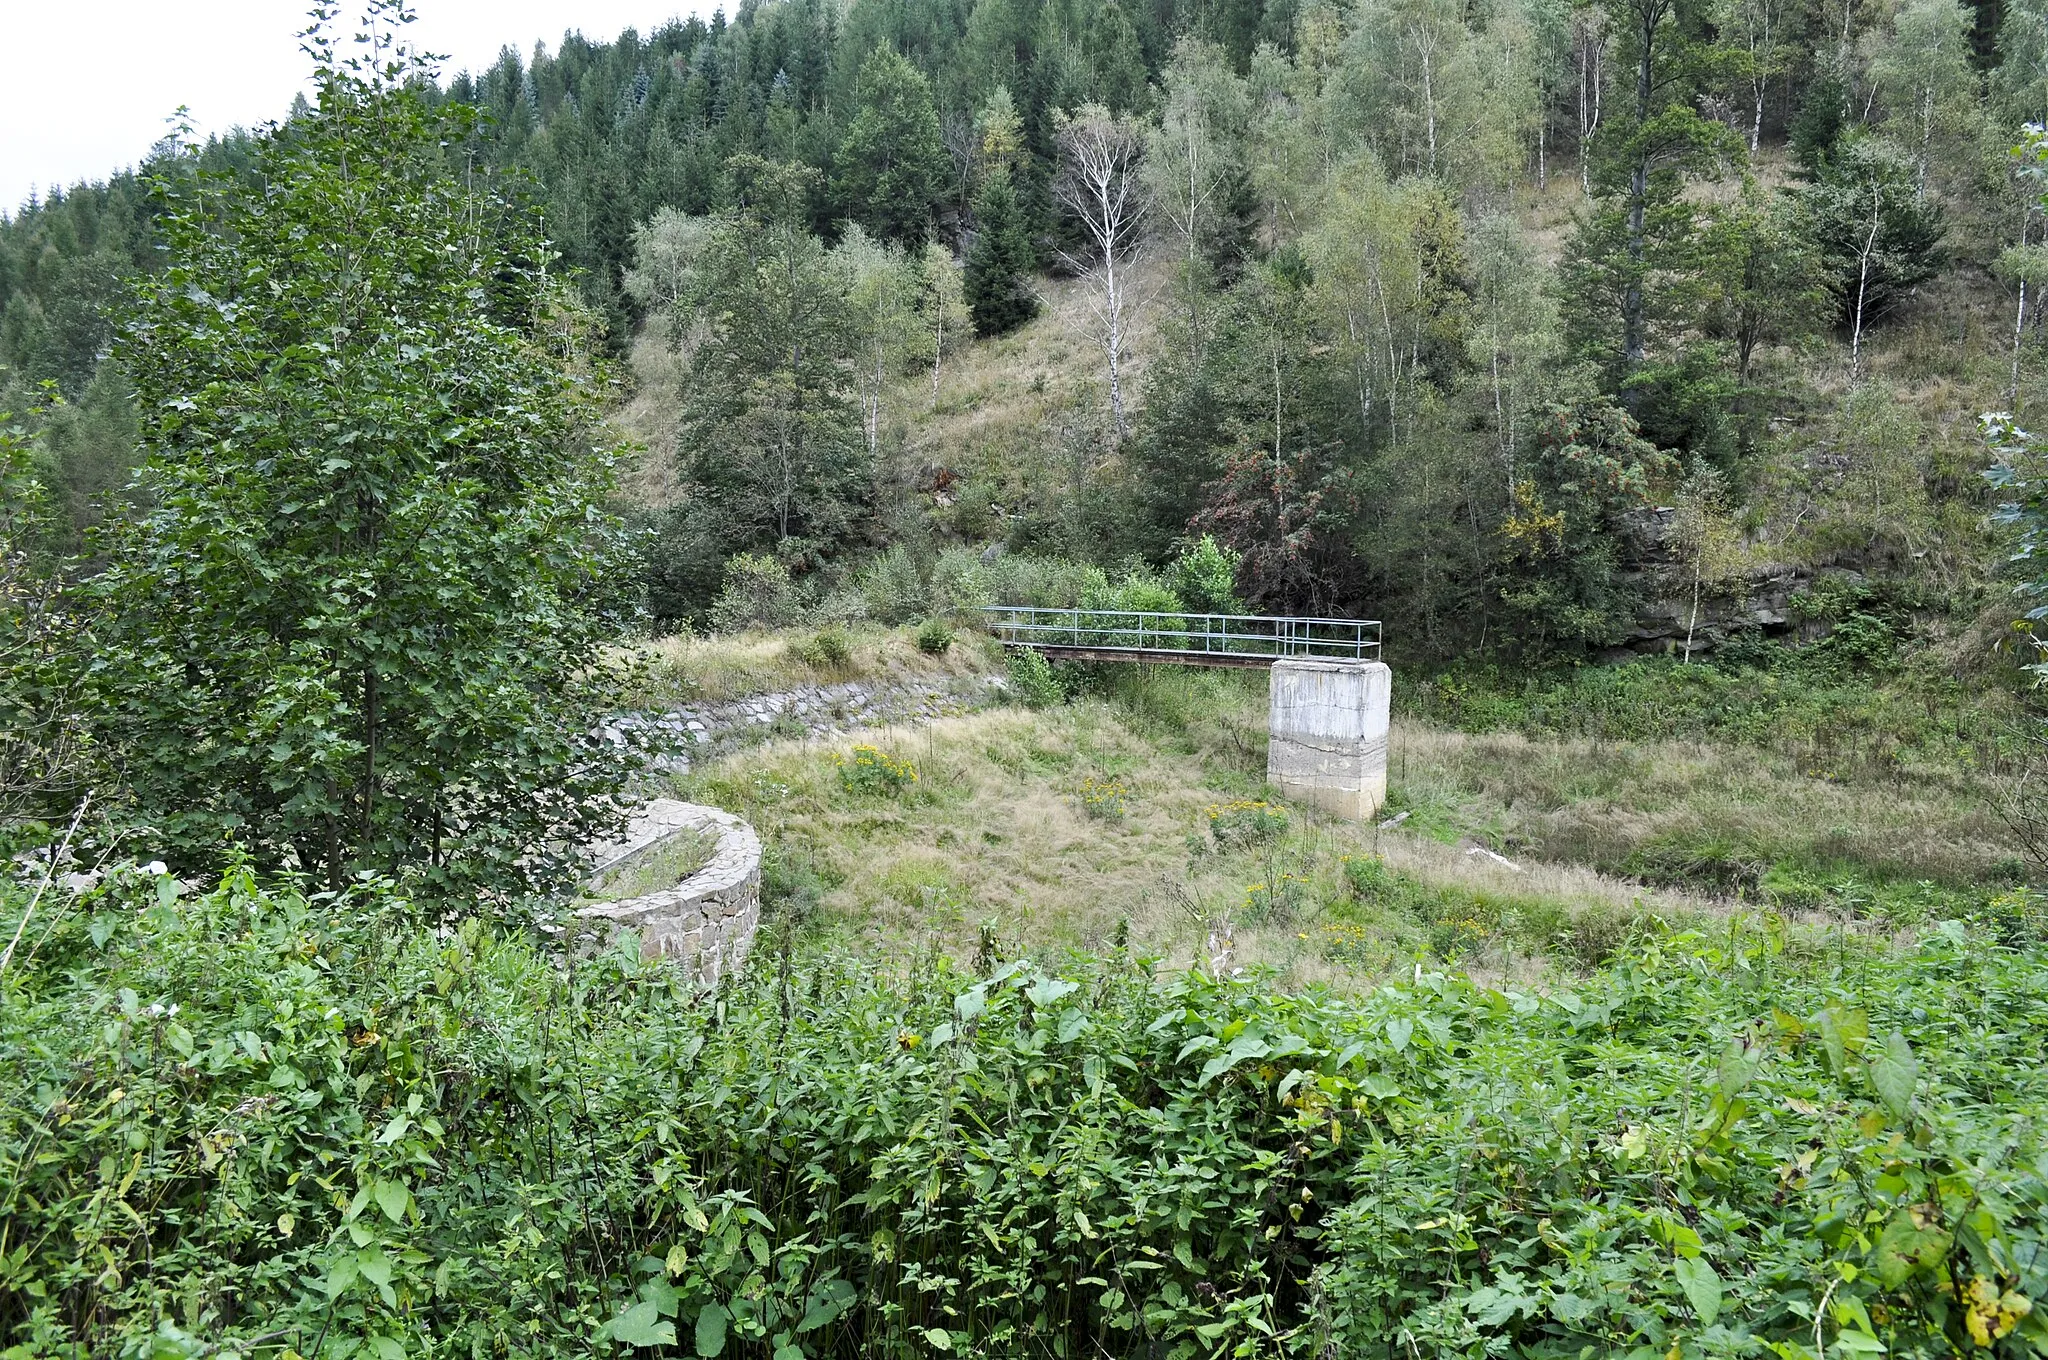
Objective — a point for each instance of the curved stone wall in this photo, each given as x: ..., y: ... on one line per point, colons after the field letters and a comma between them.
x: 707, y: 921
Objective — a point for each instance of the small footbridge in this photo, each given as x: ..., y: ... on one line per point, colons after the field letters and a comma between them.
x: 1328, y: 697
x: 1182, y: 639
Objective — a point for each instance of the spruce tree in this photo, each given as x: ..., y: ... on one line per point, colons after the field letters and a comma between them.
x: 999, y: 264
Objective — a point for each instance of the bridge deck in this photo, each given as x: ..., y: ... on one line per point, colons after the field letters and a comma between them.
x: 1182, y: 639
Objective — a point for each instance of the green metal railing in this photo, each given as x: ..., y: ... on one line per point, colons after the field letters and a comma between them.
x: 1188, y: 639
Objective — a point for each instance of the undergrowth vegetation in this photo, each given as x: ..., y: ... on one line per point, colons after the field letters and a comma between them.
x: 1911, y: 720
x: 1608, y: 833
x: 1792, y: 778
x: 1140, y: 815
x: 251, y: 1123
x: 692, y: 670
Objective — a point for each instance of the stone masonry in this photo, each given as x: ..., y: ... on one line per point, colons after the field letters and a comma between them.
x: 709, y: 731
x: 1328, y: 734
x: 707, y: 921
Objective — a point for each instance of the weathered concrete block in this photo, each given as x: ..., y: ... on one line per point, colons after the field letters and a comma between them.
x: 709, y: 919
x: 1328, y: 734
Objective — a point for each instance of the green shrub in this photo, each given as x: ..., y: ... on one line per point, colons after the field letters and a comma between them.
x: 792, y: 885
x: 1369, y: 878
x: 1245, y: 821
x: 825, y: 649
x: 934, y: 638
x: 758, y: 594
x: 1352, y: 945
x: 1454, y: 937
x: 240, y: 1122
x: 894, y: 588
x: 1277, y: 903
x: 1033, y: 681
x: 961, y: 582
x: 870, y: 770
x: 1138, y: 593
x: 1046, y: 582
x: 2018, y: 918
x: 1204, y: 576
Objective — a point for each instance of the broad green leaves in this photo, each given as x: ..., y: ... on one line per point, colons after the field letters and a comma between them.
x: 1702, y: 1286
x: 711, y: 1323
x: 1893, y: 1074
x: 361, y: 628
x: 414, y: 1147
x: 643, y: 1325
x: 393, y: 1198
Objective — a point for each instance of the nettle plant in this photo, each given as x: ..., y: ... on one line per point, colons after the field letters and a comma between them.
x: 247, y: 1123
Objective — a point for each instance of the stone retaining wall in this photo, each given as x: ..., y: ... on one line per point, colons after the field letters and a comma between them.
x: 707, y: 921
x: 713, y: 730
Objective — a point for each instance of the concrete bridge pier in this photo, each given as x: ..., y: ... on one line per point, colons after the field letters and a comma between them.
x: 1328, y: 734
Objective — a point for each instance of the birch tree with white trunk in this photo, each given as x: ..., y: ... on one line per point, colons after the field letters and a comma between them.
x: 1189, y: 163
x: 1100, y: 157
x: 881, y: 291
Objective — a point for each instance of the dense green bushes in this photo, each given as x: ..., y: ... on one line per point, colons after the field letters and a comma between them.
x: 251, y: 1121
x: 1827, y: 706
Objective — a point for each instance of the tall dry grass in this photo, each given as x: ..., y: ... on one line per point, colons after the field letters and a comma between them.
x: 685, y: 669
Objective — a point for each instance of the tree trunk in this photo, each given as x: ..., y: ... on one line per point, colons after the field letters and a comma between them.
x: 2019, y: 326
x: 1429, y: 103
x: 1113, y: 288
x: 1634, y: 342
x: 1862, y: 291
x: 1585, y: 115
x: 1634, y: 337
x: 1926, y: 137
x: 370, y: 715
x: 1692, y: 620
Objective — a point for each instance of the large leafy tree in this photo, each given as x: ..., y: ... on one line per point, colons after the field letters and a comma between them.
x: 891, y: 167
x: 771, y: 445
x: 357, y: 631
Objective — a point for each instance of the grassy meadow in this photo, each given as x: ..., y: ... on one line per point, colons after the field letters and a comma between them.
x: 1109, y: 819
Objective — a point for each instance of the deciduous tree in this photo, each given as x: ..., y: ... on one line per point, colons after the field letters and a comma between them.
x: 1098, y: 186
x: 358, y: 629
x: 771, y: 444
x: 891, y: 165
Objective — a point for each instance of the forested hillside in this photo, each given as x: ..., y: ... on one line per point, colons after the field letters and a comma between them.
x: 1526, y: 325
x: 397, y: 497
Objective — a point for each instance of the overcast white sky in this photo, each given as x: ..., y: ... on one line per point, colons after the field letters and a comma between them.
x: 86, y: 86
